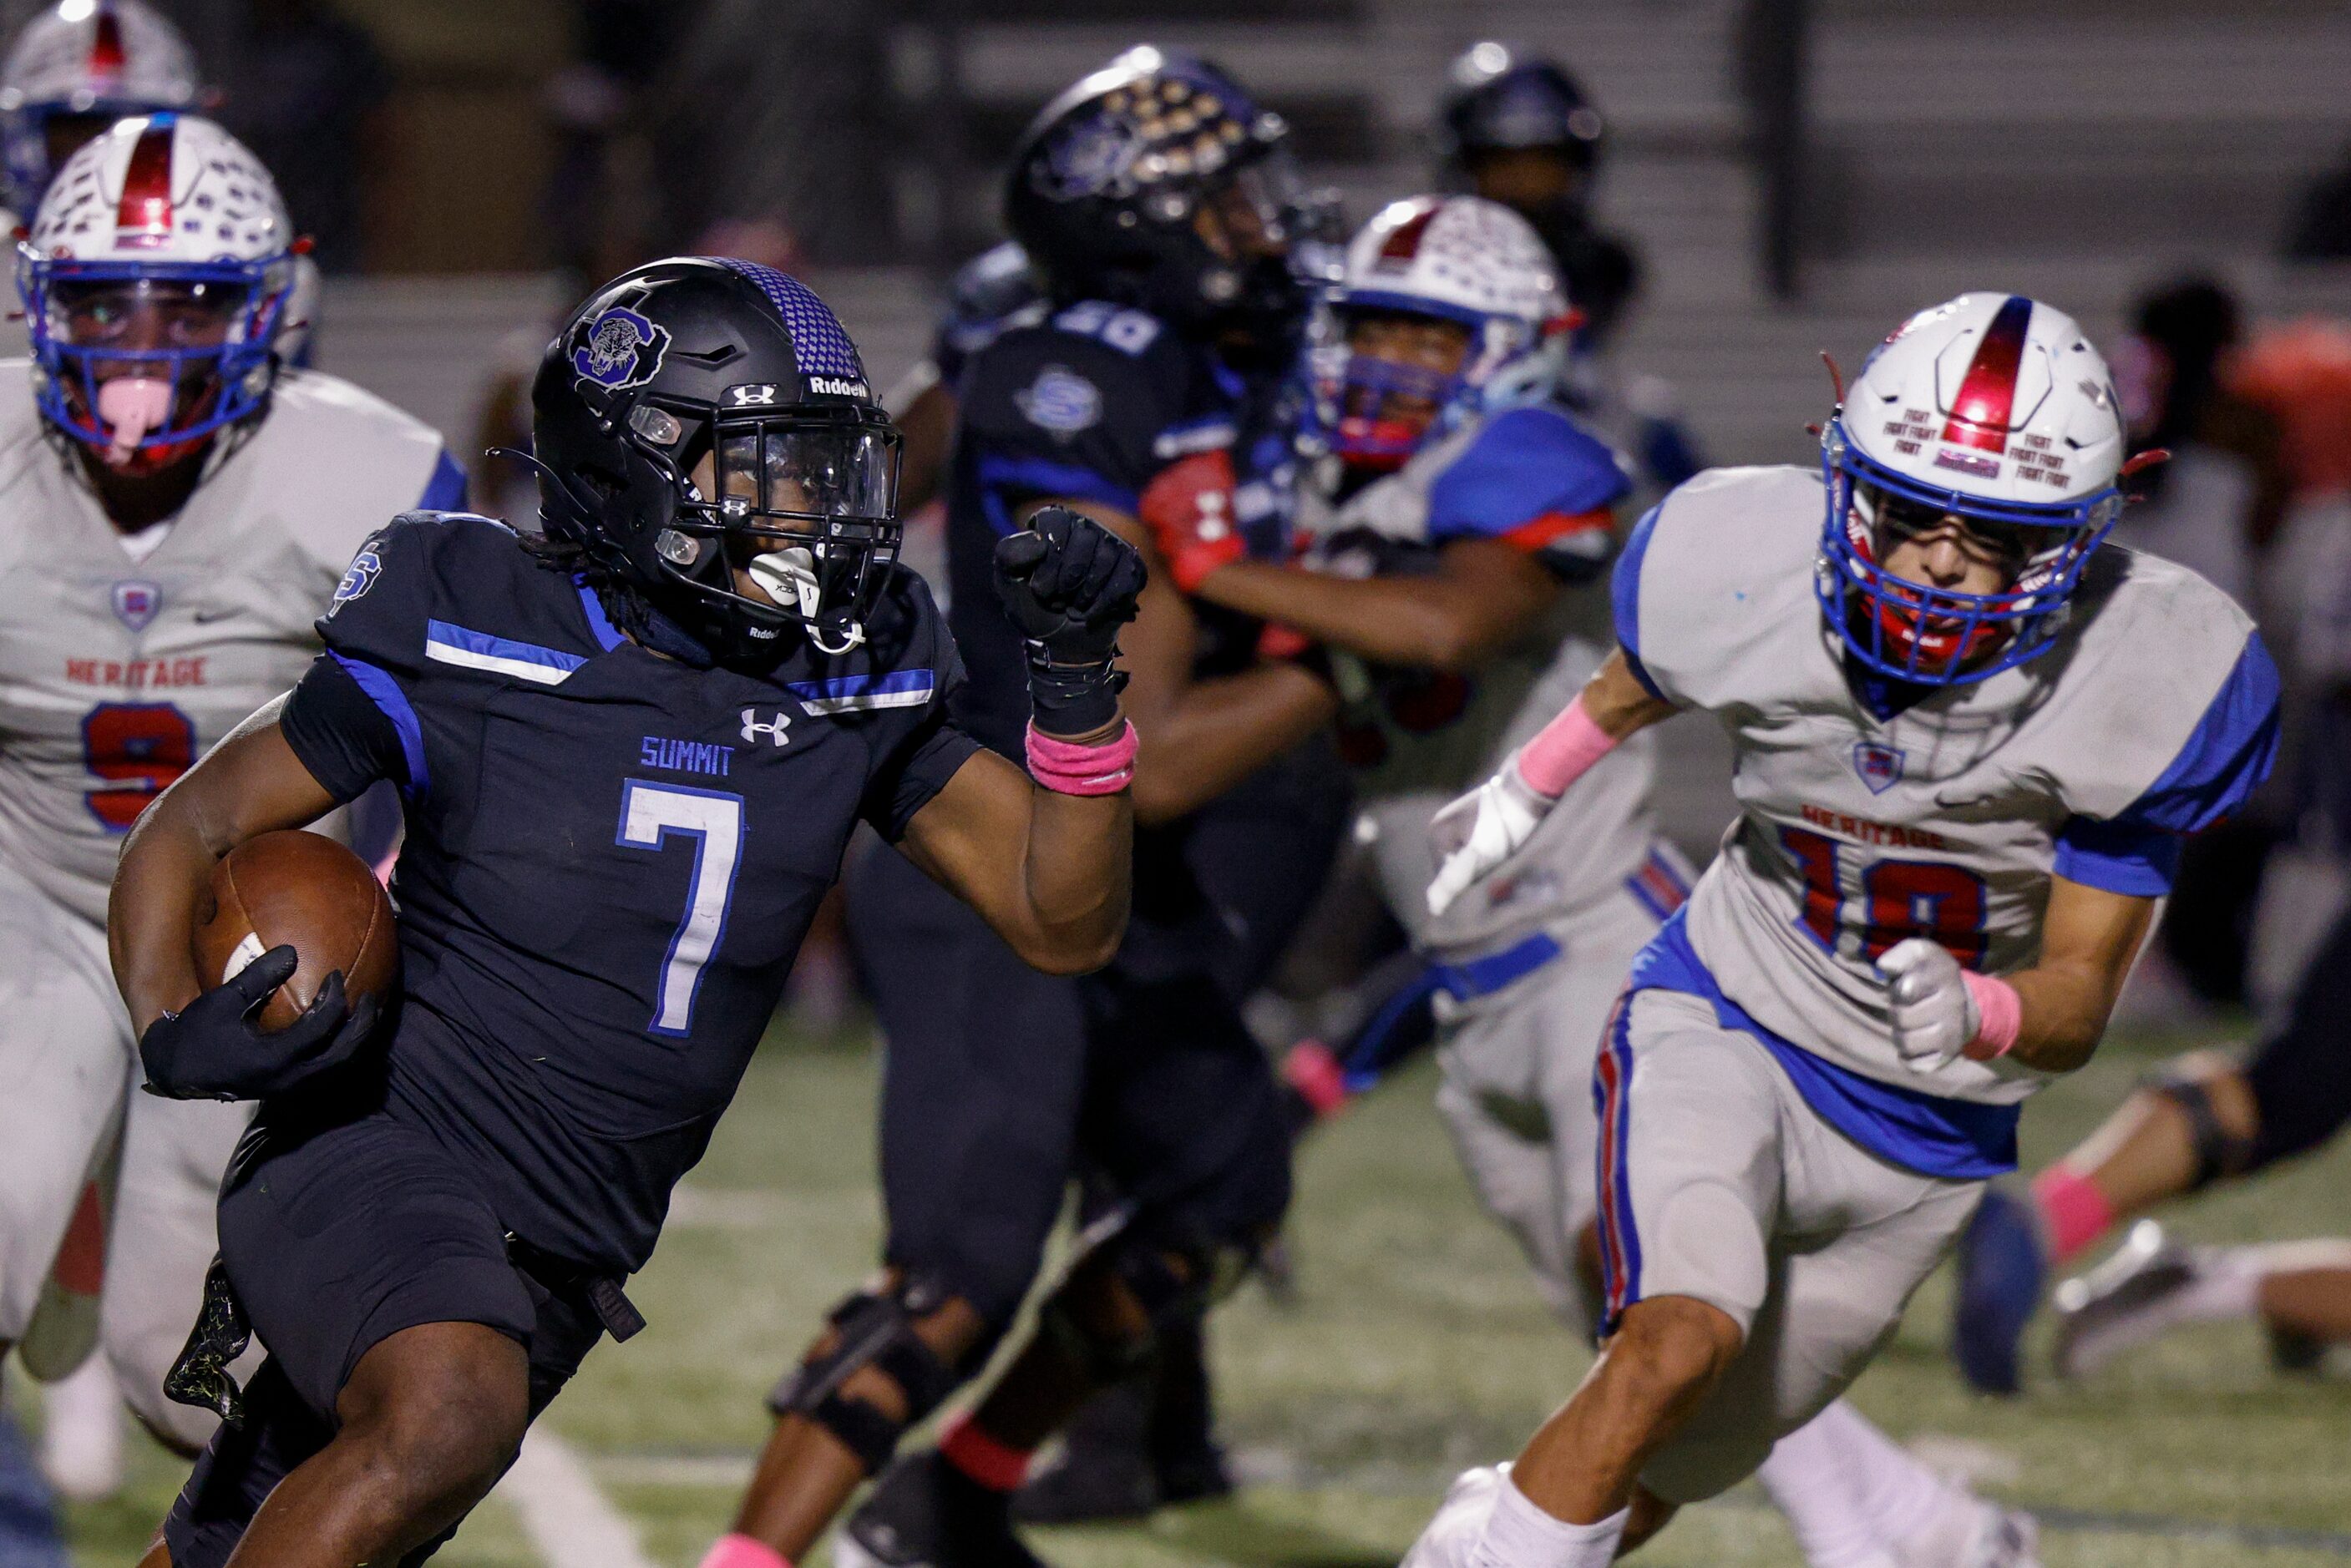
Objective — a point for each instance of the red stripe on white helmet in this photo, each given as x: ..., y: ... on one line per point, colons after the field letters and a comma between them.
x: 142, y: 217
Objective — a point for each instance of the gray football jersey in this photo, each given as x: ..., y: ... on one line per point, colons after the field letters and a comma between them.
x: 1431, y: 737
x: 2153, y: 715
x: 116, y: 672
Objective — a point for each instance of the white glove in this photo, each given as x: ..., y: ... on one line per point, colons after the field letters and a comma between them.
x: 1481, y: 830
x: 1935, y: 1019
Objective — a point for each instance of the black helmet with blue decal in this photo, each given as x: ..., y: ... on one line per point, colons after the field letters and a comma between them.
x: 709, y: 441
x: 1157, y: 182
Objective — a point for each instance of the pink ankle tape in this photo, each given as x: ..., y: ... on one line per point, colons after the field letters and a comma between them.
x: 1315, y: 1073
x: 742, y: 1552
x: 1563, y: 751
x: 998, y: 1467
x: 2002, y: 1012
x: 1067, y: 767
x: 2074, y: 1212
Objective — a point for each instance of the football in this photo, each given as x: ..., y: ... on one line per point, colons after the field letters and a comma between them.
x: 305, y: 890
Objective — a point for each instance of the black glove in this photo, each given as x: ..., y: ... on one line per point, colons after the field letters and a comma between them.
x: 1068, y: 584
x: 210, y: 1049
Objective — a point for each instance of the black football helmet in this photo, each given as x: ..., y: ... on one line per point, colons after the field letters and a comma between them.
x: 703, y: 425
x: 1156, y: 183
x: 1501, y: 96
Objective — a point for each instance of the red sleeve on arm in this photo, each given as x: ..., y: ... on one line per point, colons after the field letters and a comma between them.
x: 1539, y: 533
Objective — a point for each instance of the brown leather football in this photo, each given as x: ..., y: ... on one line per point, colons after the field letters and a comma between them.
x: 304, y: 889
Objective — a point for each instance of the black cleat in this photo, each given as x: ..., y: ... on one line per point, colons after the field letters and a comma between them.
x: 925, y: 1513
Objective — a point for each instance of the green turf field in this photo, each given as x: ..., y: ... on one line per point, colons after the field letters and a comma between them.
x: 1415, y: 1347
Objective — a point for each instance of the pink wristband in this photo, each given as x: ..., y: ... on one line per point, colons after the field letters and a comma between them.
x: 2002, y: 1012
x: 1065, y: 767
x: 742, y: 1552
x: 1314, y: 1072
x: 1563, y: 752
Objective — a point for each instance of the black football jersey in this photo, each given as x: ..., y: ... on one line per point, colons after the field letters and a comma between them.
x: 611, y: 857
x: 1091, y: 403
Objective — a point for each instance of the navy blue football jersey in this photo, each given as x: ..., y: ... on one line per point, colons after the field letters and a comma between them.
x: 1091, y: 403
x: 611, y: 855
x: 1095, y: 403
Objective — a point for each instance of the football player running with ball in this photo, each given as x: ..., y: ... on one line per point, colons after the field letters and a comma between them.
x: 632, y: 753
x: 176, y: 507
x: 1968, y: 741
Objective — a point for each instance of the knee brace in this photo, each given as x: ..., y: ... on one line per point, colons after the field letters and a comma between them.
x: 877, y: 1329
x: 2219, y: 1151
x: 1173, y: 1281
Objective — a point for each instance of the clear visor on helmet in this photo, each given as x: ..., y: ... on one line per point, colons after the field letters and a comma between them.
x: 804, y: 519
x: 1253, y: 214
x: 808, y: 474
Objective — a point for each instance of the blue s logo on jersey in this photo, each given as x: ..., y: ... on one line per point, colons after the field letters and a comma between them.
x: 1879, y: 765
x: 620, y: 349
x: 1060, y: 401
x: 358, y: 578
x: 135, y: 604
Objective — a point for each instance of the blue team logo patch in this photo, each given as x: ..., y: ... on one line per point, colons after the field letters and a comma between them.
x: 1879, y: 765
x: 135, y: 604
x: 358, y: 578
x: 620, y: 349
x: 1060, y: 401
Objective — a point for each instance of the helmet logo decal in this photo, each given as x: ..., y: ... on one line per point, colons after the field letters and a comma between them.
x: 620, y: 349
x: 144, y: 218
x: 1093, y: 156
x: 760, y: 396
x: 1981, y: 412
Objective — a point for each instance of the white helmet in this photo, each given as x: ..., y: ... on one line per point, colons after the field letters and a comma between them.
x: 170, y: 214
x: 86, y: 61
x: 1994, y: 408
x: 1459, y: 259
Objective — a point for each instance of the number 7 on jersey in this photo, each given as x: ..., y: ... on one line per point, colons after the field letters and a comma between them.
x: 650, y: 813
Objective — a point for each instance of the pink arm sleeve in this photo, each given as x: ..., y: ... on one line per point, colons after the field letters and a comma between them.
x: 1563, y: 752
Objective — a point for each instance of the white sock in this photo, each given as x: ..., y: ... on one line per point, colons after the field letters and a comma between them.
x: 1811, y: 1481
x: 1517, y: 1534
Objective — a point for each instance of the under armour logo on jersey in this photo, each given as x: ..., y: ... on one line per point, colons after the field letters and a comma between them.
x: 752, y: 397
x: 135, y: 604
x: 753, y: 729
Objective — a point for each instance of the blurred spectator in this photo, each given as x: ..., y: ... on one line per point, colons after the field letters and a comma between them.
x: 597, y: 224
x: 2222, y: 494
x: 2212, y: 507
x: 2321, y: 229
x: 305, y: 89
x: 777, y: 116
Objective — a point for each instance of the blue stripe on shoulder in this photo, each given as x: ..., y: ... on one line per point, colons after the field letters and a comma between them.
x: 2227, y: 755
x: 1522, y: 464
x: 1625, y: 584
x: 385, y: 692
x: 445, y: 491
x: 448, y: 635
